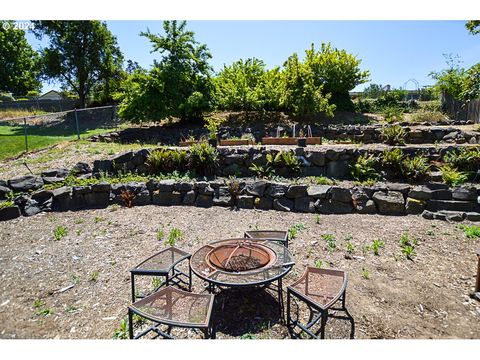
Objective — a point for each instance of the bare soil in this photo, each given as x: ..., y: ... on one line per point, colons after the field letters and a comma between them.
x: 388, y: 295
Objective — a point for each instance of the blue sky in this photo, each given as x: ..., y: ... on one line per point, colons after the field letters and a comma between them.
x: 393, y: 51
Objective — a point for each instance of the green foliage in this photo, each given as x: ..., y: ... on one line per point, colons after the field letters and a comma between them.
x: 451, y: 176
x: 81, y: 55
x: 304, y: 95
x: 19, y: 70
x: 393, y: 159
x: 94, y: 276
x: 166, y: 161
x: 349, y: 247
x: 287, y: 159
x: 376, y: 246
x: 392, y: 114
x: 178, y: 85
x: 393, y: 135
x: 262, y: 171
x: 319, y: 264
x: 408, y: 244
x: 323, y: 180
x: 330, y: 241
x: 160, y: 234
x: 415, y: 168
x: 7, y: 203
x: 317, y: 219
x: 471, y: 231
x: 364, y: 168
x: 59, y: 233
x: 212, y: 124
x: 473, y: 26
x: 246, y: 85
x: 174, y: 235
x: 202, y: 158
x: 122, y: 332
x: 463, y: 159
x: 373, y: 91
x: 294, y: 229
x: 427, y: 116
x: 365, y: 273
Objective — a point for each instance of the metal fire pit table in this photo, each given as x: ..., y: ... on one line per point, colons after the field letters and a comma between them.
x: 243, y: 263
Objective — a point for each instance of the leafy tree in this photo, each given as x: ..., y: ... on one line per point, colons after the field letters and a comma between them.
x: 451, y: 79
x: 338, y: 72
x: 82, y: 56
x: 473, y: 26
x: 373, y: 91
x: 178, y: 85
x: 302, y: 94
x: 18, y: 62
x: 246, y: 85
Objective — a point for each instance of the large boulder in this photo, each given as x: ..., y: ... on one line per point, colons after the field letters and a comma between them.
x: 9, y: 213
x: 256, y: 189
x: 390, y: 203
x: 245, y: 201
x: 283, y: 204
x: 4, y: 192
x: 414, y: 206
x: 25, y: 183
x: 464, y: 193
x: 318, y: 191
x: 62, y: 198
x: 295, y: 191
x: 80, y: 168
x: 340, y: 194
x: 27, y: 205
x: 57, y: 173
x: 337, y: 169
x: 333, y: 207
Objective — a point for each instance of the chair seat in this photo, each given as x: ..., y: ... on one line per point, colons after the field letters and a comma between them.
x: 321, y: 287
x: 172, y: 306
x: 267, y: 234
x: 162, y: 262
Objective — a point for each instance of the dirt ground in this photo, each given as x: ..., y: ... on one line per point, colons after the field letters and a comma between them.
x: 388, y: 295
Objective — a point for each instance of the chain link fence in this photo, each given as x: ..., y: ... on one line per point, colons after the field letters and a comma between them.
x: 27, y: 133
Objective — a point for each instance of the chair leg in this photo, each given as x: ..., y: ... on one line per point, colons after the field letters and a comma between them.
x: 130, y: 324
x: 132, y: 282
x: 323, y: 323
x: 280, y: 299
x: 189, y: 278
x: 288, y: 308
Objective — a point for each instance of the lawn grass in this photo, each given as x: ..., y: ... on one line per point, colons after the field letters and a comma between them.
x: 12, y: 140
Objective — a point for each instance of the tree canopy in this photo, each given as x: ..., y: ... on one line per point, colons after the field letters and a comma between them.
x: 179, y: 83
x: 18, y: 62
x: 81, y: 55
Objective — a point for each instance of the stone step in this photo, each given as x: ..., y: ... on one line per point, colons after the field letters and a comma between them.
x: 450, y: 205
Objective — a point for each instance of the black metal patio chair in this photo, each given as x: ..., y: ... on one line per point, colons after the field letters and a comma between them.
x: 274, y: 235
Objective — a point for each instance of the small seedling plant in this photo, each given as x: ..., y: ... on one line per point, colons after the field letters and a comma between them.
x: 59, y: 233
x: 408, y: 243
x: 319, y: 264
x: 294, y: 229
x: 174, y: 235
x: 376, y: 246
x: 331, y: 242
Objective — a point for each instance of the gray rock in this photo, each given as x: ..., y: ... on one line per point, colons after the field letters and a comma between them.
x: 263, y: 203
x: 165, y: 185
x: 454, y: 216
x: 304, y: 204
x: 189, y: 198
x: 317, y: 158
x: 245, y: 201
x: 231, y: 169
x: 333, y: 207
x: 62, y: 198
x: 102, y: 166
x: 25, y: 183
x: 140, y: 156
x: 207, y: 190
x: 337, y: 169
x: 183, y: 187
x: 97, y: 200
x: 428, y: 215
x: 276, y: 191
x: 80, y: 168
x: 450, y: 205
x: 256, y: 189
x: 222, y: 197
x: 472, y: 216
x: 340, y: 194
x: 52, y: 180
x: 295, y: 191
x: 101, y: 187
x: 391, y: 203
x: 403, y: 188
x: 204, y: 201
x: 464, y: 193
x: 42, y: 195
x: 318, y: 191
x: 442, y: 194
x: 420, y: 193
x: 313, y: 171
x: 123, y: 157
x: 283, y: 204
x: 4, y: 191
x: 9, y: 213
x: 414, y: 206
x: 135, y: 187
x: 368, y: 208
x: 58, y: 173
x: 164, y: 198
x: 143, y: 198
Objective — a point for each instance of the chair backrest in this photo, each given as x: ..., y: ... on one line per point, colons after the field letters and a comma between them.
x: 272, y: 235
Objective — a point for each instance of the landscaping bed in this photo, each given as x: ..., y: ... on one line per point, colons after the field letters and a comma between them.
x: 388, y: 295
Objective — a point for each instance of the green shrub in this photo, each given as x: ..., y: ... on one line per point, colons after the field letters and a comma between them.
x: 262, y: 171
x: 464, y: 159
x: 392, y: 114
x: 166, y: 161
x: 202, y: 158
x: 284, y: 159
x: 393, y: 159
x: 415, y: 168
x: 393, y: 135
x: 427, y: 116
x: 451, y: 176
x: 5, y: 204
x: 364, y: 168
x: 212, y: 124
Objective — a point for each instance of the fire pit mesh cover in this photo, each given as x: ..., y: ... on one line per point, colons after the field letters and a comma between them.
x: 239, y: 256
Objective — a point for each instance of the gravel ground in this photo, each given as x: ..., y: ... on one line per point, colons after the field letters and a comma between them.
x: 423, y: 298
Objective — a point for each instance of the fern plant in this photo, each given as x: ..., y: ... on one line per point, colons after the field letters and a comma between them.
x: 166, y: 161
x: 364, y: 168
x: 415, y: 168
x: 451, y: 176
x: 202, y: 158
x: 393, y: 135
x: 393, y: 159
